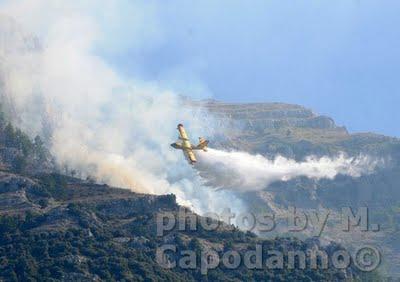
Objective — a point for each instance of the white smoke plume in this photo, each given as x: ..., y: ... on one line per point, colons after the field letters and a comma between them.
x: 245, y: 172
x: 115, y: 129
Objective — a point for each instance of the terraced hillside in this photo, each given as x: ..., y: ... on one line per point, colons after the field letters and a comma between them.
x: 60, y: 228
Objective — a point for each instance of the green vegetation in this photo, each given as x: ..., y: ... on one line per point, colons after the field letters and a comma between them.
x: 77, y: 231
x: 21, y: 152
x: 73, y: 230
x: 55, y: 185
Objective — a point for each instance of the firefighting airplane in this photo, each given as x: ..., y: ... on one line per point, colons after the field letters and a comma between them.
x: 186, y: 147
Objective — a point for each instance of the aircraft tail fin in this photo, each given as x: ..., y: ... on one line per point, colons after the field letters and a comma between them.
x: 203, y: 143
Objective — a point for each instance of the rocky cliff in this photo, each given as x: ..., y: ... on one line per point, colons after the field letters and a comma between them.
x: 272, y: 129
x: 290, y: 130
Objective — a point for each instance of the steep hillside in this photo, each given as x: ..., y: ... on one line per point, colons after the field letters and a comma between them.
x: 58, y: 227
x: 272, y: 129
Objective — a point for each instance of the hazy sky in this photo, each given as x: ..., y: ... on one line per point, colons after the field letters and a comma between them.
x: 340, y: 58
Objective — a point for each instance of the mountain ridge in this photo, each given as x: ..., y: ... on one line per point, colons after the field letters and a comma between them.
x: 378, y: 190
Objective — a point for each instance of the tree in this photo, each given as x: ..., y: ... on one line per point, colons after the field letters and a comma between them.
x: 9, y: 135
x: 39, y: 148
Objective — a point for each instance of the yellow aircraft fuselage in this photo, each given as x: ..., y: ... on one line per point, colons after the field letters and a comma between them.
x: 187, y: 147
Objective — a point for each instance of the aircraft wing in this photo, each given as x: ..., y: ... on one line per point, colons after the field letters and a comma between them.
x: 186, y: 146
x: 183, y: 137
x: 190, y: 156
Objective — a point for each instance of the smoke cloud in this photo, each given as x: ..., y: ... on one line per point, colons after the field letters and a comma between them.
x: 118, y: 130
x: 102, y: 125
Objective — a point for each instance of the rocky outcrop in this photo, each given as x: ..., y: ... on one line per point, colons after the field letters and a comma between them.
x: 266, y: 116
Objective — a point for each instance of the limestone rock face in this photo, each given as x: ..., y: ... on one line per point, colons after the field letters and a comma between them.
x: 264, y: 116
